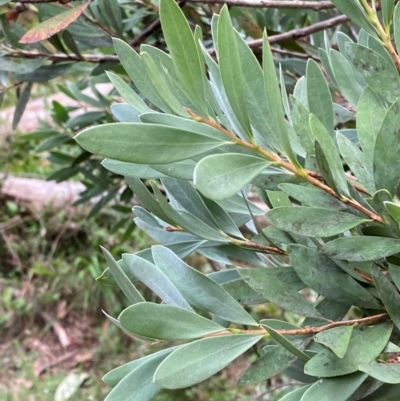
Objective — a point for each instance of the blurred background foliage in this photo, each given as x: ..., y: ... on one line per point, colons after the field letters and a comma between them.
x: 51, y: 325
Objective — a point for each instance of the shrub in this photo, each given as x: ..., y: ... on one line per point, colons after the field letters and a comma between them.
x: 330, y: 256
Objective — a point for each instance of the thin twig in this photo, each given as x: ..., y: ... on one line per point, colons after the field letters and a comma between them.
x: 308, y: 329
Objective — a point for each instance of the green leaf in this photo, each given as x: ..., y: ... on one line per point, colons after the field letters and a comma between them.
x: 387, y: 149
x: 300, y: 120
x: 137, y: 72
x: 275, y: 360
x: 183, y: 50
x: 200, y: 290
x: 197, y: 361
x: 275, y: 106
x: 312, y: 197
x: 387, y: 392
x: 295, y: 395
x: 395, y: 274
x: 380, y: 75
x: 156, y: 280
x: 278, y: 292
x: 122, y: 279
x: 131, y: 169
x: 165, y: 322
x: 389, y: 294
x: 219, y: 177
x: 344, y: 75
x: 356, y: 13
x: 44, y: 73
x: 313, y: 222
x: 331, y: 168
x: 319, y: 96
x: 387, y: 12
x: 360, y: 249
x: 341, y: 388
x: 384, y: 372
x: 363, y: 348
x: 231, y: 72
x: 394, y: 210
x: 138, y: 384
x: 21, y: 105
x: 326, y: 278
x: 282, y: 340
x: 144, y: 143
x: 131, y: 97
x: 336, y: 339
x: 113, y: 377
x: 357, y: 161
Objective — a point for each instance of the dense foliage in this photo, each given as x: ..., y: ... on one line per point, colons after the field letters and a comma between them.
x: 209, y: 131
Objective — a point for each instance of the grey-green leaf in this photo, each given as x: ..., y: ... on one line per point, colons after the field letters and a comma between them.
x: 278, y: 292
x: 359, y: 249
x: 200, y: 290
x: 380, y: 75
x: 156, y: 280
x: 183, y: 50
x: 387, y: 150
x: 313, y: 222
x: 339, y: 388
x: 326, y: 278
x: 385, y: 372
x: 197, y: 361
x: 122, y: 279
x: 389, y: 294
x: 219, y: 177
x: 336, y: 339
x: 144, y: 143
x: 363, y: 348
x: 166, y: 322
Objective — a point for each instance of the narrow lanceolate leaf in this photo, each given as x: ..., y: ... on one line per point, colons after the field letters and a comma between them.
x: 53, y: 25
x: 389, y: 294
x: 197, y: 361
x: 200, y: 290
x: 387, y: 149
x: 370, y: 115
x: 21, y: 105
x: 384, y: 372
x: 166, y: 322
x: 313, y: 222
x: 144, y: 143
x: 359, y: 249
x: 380, y: 74
x: 131, y: 97
x: 275, y: 105
x: 275, y: 360
x: 356, y: 13
x: 363, y: 348
x: 328, y: 158
x: 326, y: 278
x: 336, y: 339
x: 278, y: 292
x: 296, y: 395
x: 113, y: 377
x: 387, y: 11
x: 122, y: 279
x: 219, y: 177
x: 156, y: 280
x: 231, y: 72
x: 319, y: 96
x: 341, y: 388
x: 183, y: 50
x: 282, y: 340
x: 138, y: 384
x: 394, y: 210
